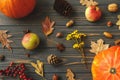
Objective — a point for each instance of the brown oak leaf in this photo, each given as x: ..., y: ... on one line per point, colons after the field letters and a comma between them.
x: 88, y: 2
x: 4, y: 39
x: 118, y: 22
x: 70, y: 75
x: 99, y: 46
x: 47, y: 26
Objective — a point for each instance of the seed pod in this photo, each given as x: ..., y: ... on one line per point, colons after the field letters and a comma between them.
x: 27, y: 55
x: 2, y: 57
x: 117, y: 42
x: 59, y: 35
x: 107, y: 34
x: 109, y: 23
x: 60, y: 47
x: 69, y: 23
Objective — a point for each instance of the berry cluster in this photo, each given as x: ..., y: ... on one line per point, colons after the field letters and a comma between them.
x: 15, y: 71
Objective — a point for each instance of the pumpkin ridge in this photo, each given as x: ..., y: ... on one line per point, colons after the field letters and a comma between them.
x: 118, y: 75
x: 106, y: 64
x: 17, y: 8
x: 116, y: 62
x: 10, y: 9
x: 107, y: 61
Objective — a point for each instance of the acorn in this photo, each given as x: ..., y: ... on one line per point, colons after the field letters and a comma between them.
x: 53, y: 59
x: 63, y: 7
x: 59, y: 35
x: 60, y: 47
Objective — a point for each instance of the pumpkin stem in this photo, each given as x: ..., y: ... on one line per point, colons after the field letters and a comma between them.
x: 113, y: 71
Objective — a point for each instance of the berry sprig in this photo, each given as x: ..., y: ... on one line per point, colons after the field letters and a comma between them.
x: 15, y: 70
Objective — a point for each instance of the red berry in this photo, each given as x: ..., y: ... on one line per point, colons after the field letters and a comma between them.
x: 11, y: 75
x: 1, y: 73
x: 23, y: 69
x: 20, y: 77
x: 26, y: 79
x: 20, y: 72
x: 11, y: 63
x: 16, y: 72
x: 7, y: 71
x: 24, y: 76
x: 8, y: 68
x: 14, y: 75
x: 22, y: 64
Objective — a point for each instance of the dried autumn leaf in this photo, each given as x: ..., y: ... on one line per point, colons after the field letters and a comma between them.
x: 35, y: 66
x: 38, y: 67
x: 70, y: 75
x: 118, y: 22
x: 99, y: 46
x: 88, y: 2
x: 4, y: 39
x: 47, y: 26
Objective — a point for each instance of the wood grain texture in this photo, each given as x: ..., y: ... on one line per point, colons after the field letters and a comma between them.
x: 48, y: 46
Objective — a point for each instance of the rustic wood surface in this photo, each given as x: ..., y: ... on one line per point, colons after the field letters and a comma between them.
x: 48, y: 46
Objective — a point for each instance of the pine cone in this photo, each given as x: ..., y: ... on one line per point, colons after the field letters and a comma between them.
x: 53, y: 59
x: 63, y: 7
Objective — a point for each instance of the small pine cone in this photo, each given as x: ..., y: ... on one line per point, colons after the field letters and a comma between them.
x: 53, y: 59
x: 63, y: 7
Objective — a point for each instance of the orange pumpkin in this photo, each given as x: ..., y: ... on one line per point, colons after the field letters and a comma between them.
x: 106, y: 64
x: 17, y: 8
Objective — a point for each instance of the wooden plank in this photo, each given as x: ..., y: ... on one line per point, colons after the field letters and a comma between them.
x: 48, y: 46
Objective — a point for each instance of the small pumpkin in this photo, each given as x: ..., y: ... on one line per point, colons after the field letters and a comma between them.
x: 17, y: 8
x: 106, y: 64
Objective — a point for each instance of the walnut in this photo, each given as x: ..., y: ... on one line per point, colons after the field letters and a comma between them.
x: 113, y: 7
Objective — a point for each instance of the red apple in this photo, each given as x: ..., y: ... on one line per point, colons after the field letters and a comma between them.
x: 30, y: 41
x: 93, y: 13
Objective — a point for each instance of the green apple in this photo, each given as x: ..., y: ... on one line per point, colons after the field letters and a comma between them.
x: 30, y: 41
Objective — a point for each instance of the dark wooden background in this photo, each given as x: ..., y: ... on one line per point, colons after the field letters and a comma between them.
x: 33, y: 22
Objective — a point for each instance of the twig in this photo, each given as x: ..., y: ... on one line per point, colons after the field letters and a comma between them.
x: 72, y: 63
x: 77, y: 57
x: 83, y: 56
